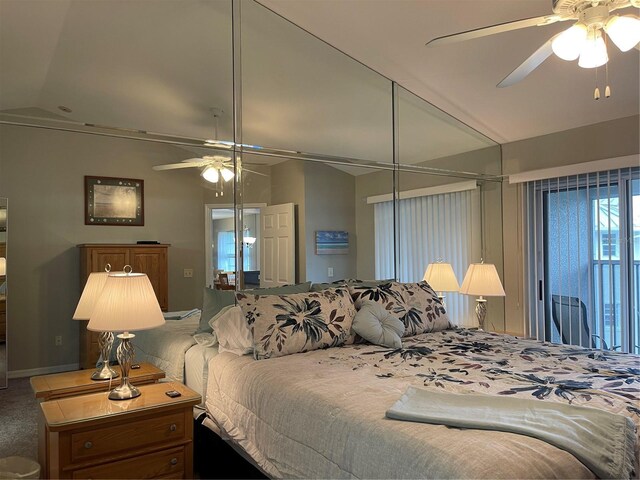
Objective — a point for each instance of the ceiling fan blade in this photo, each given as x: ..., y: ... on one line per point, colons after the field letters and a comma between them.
x: 174, y: 166
x: 493, y: 29
x: 529, y: 65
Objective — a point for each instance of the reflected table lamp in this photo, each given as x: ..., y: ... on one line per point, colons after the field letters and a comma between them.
x: 3, y: 266
x: 127, y: 303
x: 441, y: 278
x: 90, y: 293
x: 482, y: 280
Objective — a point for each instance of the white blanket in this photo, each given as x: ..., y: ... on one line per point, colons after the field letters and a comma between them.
x: 165, y: 346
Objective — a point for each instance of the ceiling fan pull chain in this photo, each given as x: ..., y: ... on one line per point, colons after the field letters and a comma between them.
x: 596, y: 93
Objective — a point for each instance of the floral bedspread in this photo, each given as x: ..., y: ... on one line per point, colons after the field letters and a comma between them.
x: 483, y: 362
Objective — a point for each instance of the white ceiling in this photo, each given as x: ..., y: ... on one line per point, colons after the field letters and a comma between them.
x: 390, y: 36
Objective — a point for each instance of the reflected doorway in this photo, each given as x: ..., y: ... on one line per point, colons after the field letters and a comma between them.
x: 221, y: 251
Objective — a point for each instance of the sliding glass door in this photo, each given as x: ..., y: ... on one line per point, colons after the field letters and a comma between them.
x: 584, y: 277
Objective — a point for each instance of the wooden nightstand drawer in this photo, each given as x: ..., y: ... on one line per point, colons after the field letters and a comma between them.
x: 121, y: 438
x: 165, y: 464
x: 90, y: 436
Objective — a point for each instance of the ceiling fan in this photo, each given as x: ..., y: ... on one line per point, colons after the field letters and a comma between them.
x: 213, y: 167
x: 584, y: 40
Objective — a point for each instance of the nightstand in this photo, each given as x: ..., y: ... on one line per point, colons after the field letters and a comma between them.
x: 90, y: 436
x: 60, y: 385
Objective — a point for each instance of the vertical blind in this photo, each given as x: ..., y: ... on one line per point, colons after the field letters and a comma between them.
x: 443, y: 227
x: 582, y: 259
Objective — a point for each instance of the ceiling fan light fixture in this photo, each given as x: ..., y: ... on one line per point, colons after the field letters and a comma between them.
x: 594, y: 51
x: 624, y: 31
x: 210, y: 174
x: 226, y: 174
x: 569, y: 43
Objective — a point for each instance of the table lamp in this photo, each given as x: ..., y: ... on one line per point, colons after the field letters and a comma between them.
x: 127, y: 303
x: 482, y: 280
x: 441, y: 278
x: 88, y: 299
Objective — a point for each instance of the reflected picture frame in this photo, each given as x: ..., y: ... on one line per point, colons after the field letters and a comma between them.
x: 332, y: 242
x: 113, y: 201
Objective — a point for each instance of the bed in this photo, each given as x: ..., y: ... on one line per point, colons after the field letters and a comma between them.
x: 174, y: 348
x: 321, y: 414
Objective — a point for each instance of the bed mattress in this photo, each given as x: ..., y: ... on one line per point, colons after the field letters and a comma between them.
x: 321, y: 414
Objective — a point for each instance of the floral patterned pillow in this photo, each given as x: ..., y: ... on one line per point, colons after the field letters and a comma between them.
x: 286, y: 324
x: 416, y: 304
x: 424, y: 310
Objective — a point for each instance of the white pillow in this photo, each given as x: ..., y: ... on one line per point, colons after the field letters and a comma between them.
x: 232, y: 330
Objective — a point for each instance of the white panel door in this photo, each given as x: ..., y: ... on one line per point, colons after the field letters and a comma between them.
x: 278, y: 245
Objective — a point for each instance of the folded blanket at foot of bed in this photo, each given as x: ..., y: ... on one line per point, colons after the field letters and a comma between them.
x: 603, y: 441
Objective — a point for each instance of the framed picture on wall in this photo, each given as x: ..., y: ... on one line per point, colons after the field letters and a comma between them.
x: 113, y: 201
x: 332, y: 242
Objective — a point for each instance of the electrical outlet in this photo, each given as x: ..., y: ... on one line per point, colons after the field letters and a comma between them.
x: 330, y: 272
x: 58, y: 340
x: 188, y: 272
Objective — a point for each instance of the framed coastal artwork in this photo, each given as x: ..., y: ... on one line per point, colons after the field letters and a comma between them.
x: 332, y: 242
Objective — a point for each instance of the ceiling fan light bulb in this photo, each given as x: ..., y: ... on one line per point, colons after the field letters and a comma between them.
x: 569, y: 43
x: 210, y: 174
x: 226, y: 174
x: 594, y: 51
x: 624, y: 31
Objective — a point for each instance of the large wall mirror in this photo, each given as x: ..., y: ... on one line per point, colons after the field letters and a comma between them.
x: 319, y: 130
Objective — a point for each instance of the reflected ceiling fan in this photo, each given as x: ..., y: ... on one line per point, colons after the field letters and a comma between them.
x: 584, y: 40
x: 213, y: 167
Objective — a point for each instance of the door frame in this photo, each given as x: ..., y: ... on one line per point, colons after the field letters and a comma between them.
x: 208, y: 224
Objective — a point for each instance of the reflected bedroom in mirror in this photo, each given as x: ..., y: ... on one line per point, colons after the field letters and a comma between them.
x: 4, y: 210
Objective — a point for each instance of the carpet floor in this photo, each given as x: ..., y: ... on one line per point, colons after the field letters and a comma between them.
x: 18, y: 420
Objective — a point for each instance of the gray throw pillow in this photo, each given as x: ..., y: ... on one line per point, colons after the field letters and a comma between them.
x: 215, y: 300
x: 377, y: 325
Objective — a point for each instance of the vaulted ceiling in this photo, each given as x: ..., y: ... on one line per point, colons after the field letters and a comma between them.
x: 390, y: 37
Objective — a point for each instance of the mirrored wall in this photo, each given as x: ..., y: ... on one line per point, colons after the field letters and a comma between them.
x: 379, y: 179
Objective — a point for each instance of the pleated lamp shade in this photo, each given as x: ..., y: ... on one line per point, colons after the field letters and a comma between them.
x: 441, y: 277
x: 127, y: 303
x: 482, y: 280
x: 3, y: 266
x: 90, y: 294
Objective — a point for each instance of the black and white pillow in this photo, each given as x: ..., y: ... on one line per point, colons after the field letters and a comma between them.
x: 286, y: 324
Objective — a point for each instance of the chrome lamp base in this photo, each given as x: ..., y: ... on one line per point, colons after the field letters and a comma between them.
x: 481, y: 311
x: 126, y: 355
x: 105, y: 372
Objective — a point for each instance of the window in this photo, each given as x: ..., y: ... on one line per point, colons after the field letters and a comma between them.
x: 226, y: 251
x: 443, y: 227
x: 583, y: 275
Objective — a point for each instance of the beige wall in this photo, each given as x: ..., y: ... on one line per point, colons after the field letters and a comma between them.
x: 43, y: 177
x: 611, y: 139
x: 329, y: 205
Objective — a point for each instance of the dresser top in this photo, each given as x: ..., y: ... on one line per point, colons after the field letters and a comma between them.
x: 143, y: 245
x: 79, y: 381
x: 67, y: 412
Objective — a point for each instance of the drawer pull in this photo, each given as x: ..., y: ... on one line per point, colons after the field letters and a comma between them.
x: 173, y: 427
x: 174, y: 461
x: 88, y: 444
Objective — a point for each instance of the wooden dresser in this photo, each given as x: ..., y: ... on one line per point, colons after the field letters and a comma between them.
x: 149, y: 259
x: 90, y: 436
